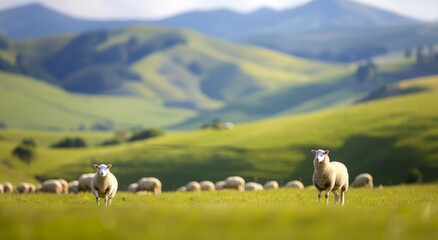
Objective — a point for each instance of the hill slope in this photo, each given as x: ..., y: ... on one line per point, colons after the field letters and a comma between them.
x: 386, y: 138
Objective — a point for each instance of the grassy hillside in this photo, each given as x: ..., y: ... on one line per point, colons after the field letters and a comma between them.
x: 279, y: 214
x: 27, y: 103
x: 372, y: 137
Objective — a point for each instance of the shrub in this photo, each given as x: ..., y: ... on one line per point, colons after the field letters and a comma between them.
x: 70, y: 143
x: 414, y: 176
x: 145, y: 134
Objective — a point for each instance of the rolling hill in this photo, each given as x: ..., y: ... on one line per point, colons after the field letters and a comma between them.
x: 386, y: 137
x: 172, y: 68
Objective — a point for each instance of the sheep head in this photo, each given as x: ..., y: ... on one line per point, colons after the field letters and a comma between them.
x: 320, y: 155
x: 102, y: 169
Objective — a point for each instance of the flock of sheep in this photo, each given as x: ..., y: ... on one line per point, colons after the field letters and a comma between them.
x: 328, y: 176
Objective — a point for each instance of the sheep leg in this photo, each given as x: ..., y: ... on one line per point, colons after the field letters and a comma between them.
x: 319, y: 195
x: 106, y: 201
x: 336, y: 196
x: 342, y: 197
x: 327, y: 196
x: 97, y: 197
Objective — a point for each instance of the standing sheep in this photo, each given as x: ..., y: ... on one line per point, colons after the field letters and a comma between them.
x: 207, y: 186
x: 73, y: 186
x: 149, y: 184
x: 193, y: 186
x: 64, y: 184
x: 363, y: 180
x: 104, y: 184
x: 132, y: 187
x: 219, y: 185
x: 271, y: 185
x: 294, y: 184
x: 235, y: 182
x: 253, y: 186
x: 8, y: 187
x: 23, y: 188
x: 329, y: 176
x: 84, y: 180
x: 51, y: 186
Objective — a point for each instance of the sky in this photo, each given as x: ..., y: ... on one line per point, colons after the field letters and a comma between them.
x: 426, y: 10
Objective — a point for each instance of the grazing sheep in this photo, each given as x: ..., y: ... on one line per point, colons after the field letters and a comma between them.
x: 8, y: 187
x: 271, y: 185
x: 363, y: 180
x: 207, y: 186
x: 219, y: 185
x: 73, y: 186
x: 182, y: 189
x: 84, y: 180
x: 227, y: 126
x: 329, y: 176
x: 104, y: 184
x: 64, y: 184
x: 132, y: 187
x: 51, y: 186
x: 294, y: 184
x: 23, y: 188
x: 149, y: 184
x: 235, y: 182
x: 253, y: 186
x: 193, y: 186
x: 32, y: 188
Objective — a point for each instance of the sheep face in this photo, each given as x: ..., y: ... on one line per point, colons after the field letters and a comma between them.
x: 320, y: 154
x: 102, y: 170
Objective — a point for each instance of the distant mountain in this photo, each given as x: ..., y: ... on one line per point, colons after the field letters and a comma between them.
x: 316, y: 15
x: 35, y: 20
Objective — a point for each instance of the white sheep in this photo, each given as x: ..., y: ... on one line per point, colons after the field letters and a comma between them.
x: 104, y: 184
x: 73, y: 186
x: 132, y: 187
x: 363, y: 180
x: 235, y: 182
x: 182, y: 189
x: 294, y: 184
x: 64, y: 184
x: 24, y: 188
x: 2, y: 190
x: 84, y: 180
x: 329, y: 176
x: 219, y: 185
x: 149, y: 184
x: 253, y: 186
x: 193, y: 186
x: 271, y: 185
x: 51, y: 186
x: 8, y: 187
x: 207, y: 186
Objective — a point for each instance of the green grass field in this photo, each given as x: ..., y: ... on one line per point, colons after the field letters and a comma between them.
x: 403, y: 212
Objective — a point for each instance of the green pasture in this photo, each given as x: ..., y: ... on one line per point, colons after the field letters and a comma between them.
x: 402, y: 212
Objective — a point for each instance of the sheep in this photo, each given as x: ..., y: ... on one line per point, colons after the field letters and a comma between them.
x: 85, y: 182
x: 51, y: 186
x: 132, y: 187
x: 23, y: 188
x: 219, y: 185
x: 294, y: 184
x: 182, y: 189
x: 104, y: 184
x: 253, y: 186
x: 235, y: 182
x: 329, y: 176
x: 8, y: 187
x: 149, y: 184
x: 207, y: 186
x: 271, y: 185
x: 73, y: 186
x: 64, y: 184
x: 1, y: 189
x: 193, y: 186
x: 32, y: 188
x: 363, y: 180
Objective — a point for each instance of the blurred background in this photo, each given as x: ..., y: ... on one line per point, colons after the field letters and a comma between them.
x: 206, y: 89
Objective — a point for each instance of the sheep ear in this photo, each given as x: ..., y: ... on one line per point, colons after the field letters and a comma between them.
x: 96, y: 166
x: 109, y: 166
x: 326, y: 152
x: 313, y: 151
